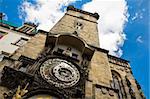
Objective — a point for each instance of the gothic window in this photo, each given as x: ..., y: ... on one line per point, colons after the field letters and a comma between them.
x: 117, y: 84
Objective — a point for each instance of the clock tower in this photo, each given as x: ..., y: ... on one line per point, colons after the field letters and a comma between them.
x: 67, y: 63
x: 79, y: 22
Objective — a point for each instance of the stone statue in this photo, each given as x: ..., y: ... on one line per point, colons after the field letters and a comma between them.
x: 67, y: 52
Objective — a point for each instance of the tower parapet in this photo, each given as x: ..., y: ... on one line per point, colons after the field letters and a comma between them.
x: 95, y: 15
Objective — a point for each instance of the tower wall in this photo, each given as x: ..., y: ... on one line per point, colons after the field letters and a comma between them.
x: 128, y: 80
x: 88, y: 31
x: 47, y: 60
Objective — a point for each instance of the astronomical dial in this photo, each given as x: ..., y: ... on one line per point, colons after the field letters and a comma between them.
x: 60, y: 72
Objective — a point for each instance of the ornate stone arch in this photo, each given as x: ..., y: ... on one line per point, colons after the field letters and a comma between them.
x: 117, y: 84
x: 72, y: 40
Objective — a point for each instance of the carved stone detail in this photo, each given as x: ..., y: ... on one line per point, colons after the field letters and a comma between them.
x: 59, y: 72
x: 12, y: 78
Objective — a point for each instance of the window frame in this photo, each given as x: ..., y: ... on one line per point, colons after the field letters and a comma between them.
x: 121, y: 90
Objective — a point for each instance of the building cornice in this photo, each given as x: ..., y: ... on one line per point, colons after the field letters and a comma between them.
x: 43, y: 32
x: 119, y: 59
x: 17, y: 31
x: 80, y: 18
x: 113, y: 59
x: 99, y: 49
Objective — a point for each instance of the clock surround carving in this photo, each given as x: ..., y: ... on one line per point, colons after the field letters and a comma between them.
x: 59, y: 72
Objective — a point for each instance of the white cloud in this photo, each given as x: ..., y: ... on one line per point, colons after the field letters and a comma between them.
x: 139, y: 39
x: 138, y: 15
x: 45, y: 12
x: 113, y: 16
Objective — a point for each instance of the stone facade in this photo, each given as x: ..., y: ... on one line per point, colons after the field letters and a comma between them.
x: 88, y: 30
x: 74, y: 41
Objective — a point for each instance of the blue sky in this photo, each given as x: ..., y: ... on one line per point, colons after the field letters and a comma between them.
x: 135, y: 47
x: 138, y: 51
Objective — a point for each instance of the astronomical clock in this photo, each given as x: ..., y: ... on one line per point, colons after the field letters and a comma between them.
x: 60, y: 71
x: 67, y: 63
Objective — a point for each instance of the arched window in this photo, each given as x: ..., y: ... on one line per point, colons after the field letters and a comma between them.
x: 117, y: 84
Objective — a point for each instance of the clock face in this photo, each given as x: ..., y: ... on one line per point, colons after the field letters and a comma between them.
x: 60, y: 72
